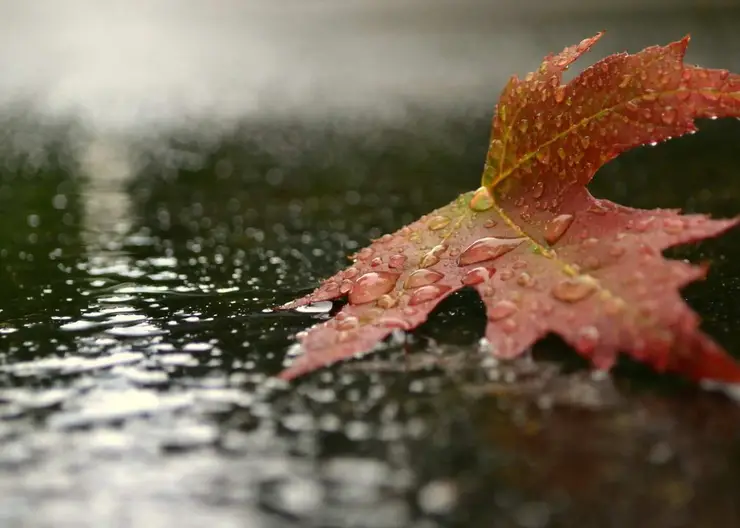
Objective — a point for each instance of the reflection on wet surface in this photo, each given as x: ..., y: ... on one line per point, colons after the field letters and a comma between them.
x: 137, y: 341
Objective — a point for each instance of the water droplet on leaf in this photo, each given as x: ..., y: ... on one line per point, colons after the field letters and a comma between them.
x: 673, y: 226
x: 587, y: 339
x: 346, y: 286
x: 643, y: 224
x: 438, y: 222
x: 421, y: 278
x: 574, y: 290
x: 348, y: 323
x: 396, y: 261
x: 488, y: 248
x: 509, y: 326
x: 481, y: 200
x: 502, y: 310
x: 525, y: 280
x: 506, y: 275
x: 559, y: 94
x: 668, y: 116
x: 372, y: 285
x: 427, y: 293
x: 556, y: 228
x: 477, y: 276
x: 365, y: 253
x: 432, y: 257
x: 543, y: 155
x: 387, y: 301
x: 394, y: 322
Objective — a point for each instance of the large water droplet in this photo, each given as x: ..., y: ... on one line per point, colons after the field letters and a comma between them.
x: 538, y: 189
x: 574, y: 290
x: 421, y: 278
x: 377, y: 261
x: 394, y: 322
x: 509, y: 326
x: 587, y: 339
x: 387, y: 301
x: 372, y: 285
x: 556, y: 228
x: 330, y: 287
x: 481, y: 200
x: 673, y: 226
x: 488, y: 248
x: 502, y: 310
x: 477, y: 275
x: 496, y: 149
x: 428, y: 260
x: 560, y: 94
x: 432, y: 257
x: 427, y: 293
x: 643, y: 224
x: 616, y: 251
x: 345, y: 335
x: 396, y: 261
x: 438, y: 222
x: 348, y: 323
x: 350, y: 273
x: 543, y: 155
x: 346, y: 286
x: 525, y: 280
x: 506, y: 274
x: 668, y: 116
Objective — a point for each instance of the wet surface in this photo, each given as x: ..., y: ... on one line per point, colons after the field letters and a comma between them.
x: 137, y: 343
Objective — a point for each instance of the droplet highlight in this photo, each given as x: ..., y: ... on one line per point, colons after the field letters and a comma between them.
x: 575, y: 289
x: 371, y: 286
x: 587, y: 339
x: 438, y: 222
x: 502, y: 310
x: 477, y: 276
x: 481, y: 200
x: 556, y: 228
x: 488, y: 248
x: 396, y: 261
x: 427, y: 293
x: 422, y: 277
x: 432, y: 257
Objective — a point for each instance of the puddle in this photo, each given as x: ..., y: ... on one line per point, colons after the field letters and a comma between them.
x: 138, y: 339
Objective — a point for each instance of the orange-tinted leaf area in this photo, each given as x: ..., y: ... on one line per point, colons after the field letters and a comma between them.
x: 544, y: 255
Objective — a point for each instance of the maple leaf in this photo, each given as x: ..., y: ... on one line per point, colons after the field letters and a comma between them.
x: 544, y: 255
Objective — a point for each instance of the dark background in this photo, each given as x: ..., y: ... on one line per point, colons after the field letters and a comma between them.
x: 170, y: 170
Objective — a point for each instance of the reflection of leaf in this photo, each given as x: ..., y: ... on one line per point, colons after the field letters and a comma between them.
x: 544, y: 255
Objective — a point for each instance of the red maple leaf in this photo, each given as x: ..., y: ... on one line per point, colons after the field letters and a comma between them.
x: 544, y: 255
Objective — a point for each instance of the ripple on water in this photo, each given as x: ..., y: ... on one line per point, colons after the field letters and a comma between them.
x: 101, y: 406
x: 320, y: 307
x: 138, y: 330
x: 71, y: 364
